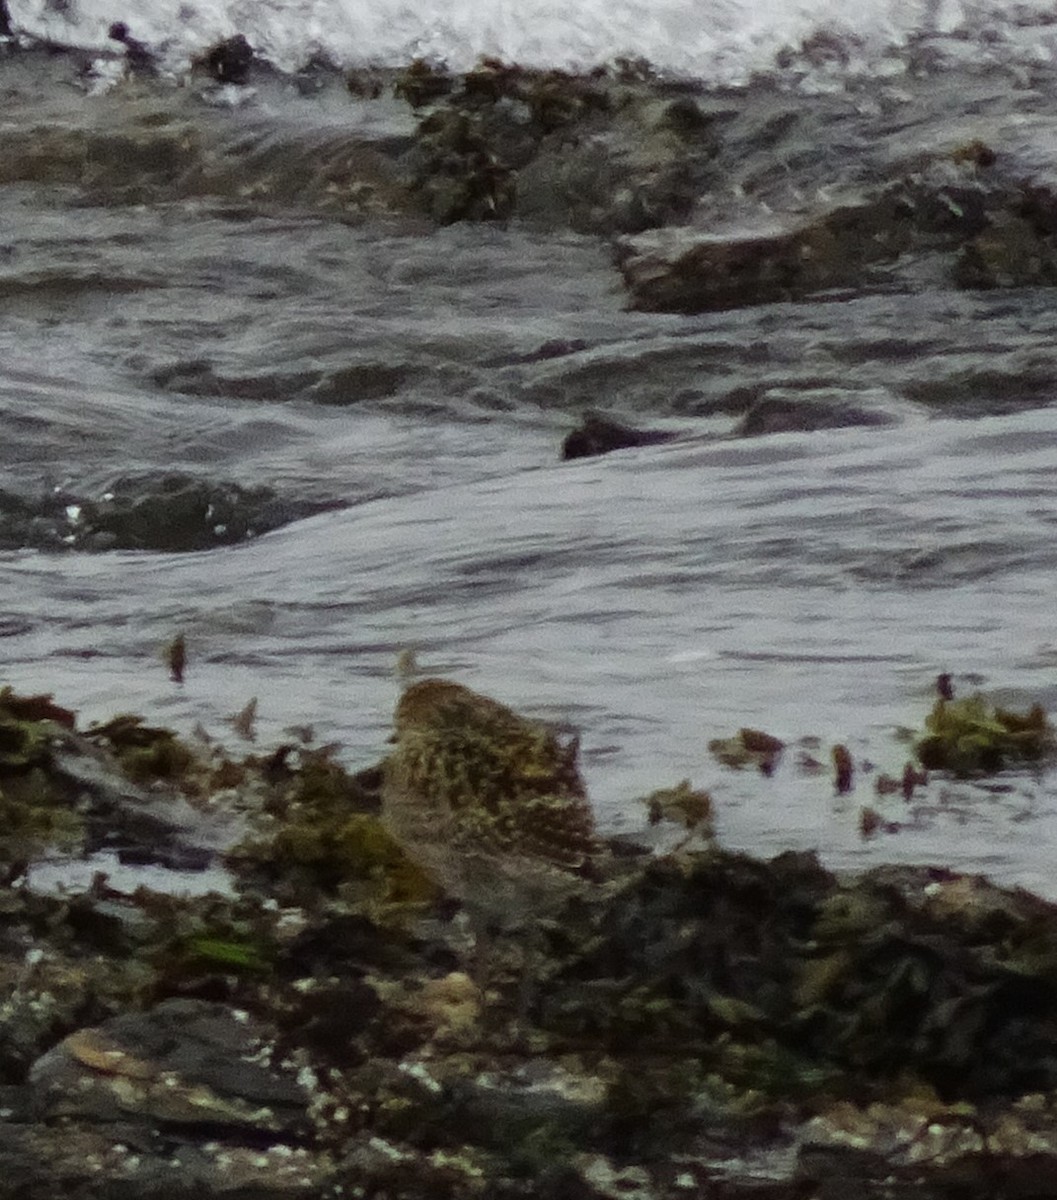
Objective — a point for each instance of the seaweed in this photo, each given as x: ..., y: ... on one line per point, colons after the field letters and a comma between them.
x: 748, y: 747
x: 143, y: 751
x: 36, y: 811
x: 972, y: 737
x: 323, y: 835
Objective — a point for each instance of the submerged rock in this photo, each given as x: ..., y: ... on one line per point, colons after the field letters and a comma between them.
x: 137, y: 54
x: 787, y: 411
x: 169, y: 511
x: 599, y: 434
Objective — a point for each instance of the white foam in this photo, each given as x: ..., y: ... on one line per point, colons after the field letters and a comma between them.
x: 710, y: 39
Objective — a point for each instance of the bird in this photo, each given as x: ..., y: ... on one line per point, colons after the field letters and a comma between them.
x: 490, y: 804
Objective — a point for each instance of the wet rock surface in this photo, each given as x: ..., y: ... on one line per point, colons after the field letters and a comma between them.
x: 714, y: 199
x: 599, y: 154
x: 967, y: 217
x: 171, y: 511
x: 695, y: 1020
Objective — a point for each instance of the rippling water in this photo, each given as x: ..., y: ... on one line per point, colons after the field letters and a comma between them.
x: 810, y: 584
x: 412, y: 387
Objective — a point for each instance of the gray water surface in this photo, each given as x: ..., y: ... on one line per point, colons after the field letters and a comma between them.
x: 419, y: 383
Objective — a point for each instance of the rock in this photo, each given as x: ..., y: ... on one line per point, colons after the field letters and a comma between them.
x: 599, y: 434
x: 594, y: 153
x: 782, y: 410
x: 955, y: 215
x: 229, y: 61
x: 177, y: 511
x: 137, y: 55
x: 53, y: 1162
x: 695, y: 1013
x: 183, y: 1062
x: 422, y: 83
x: 1010, y: 252
x: 693, y: 271
x: 971, y: 736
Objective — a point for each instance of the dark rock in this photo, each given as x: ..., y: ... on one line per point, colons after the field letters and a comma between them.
x: 1010, y: 252
x: 183, y: 1062
x: 139, y: 57
x: 364, y: 83
x: 599, y: 434
x: 957, y: 215
x: 693, y: 272
x: 229, y: 61
x: 796, y: 413
x: 423, y: 83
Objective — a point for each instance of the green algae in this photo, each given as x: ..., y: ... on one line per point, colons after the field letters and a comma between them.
x: 36, y: 811
x: 325, y: 834
x: 144, y: 752
x: 227, y: 953
x: 27, y: 729
x: 972, y: 737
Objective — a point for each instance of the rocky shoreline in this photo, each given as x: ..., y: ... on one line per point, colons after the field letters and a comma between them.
x: 712, y: 198
x: 702, y: 200
x: 700, y: 1022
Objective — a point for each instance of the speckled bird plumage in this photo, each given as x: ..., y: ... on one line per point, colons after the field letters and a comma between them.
x: 490, y: 803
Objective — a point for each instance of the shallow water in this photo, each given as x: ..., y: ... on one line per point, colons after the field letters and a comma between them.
x: 809, y: 584
x: 416, y: 386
